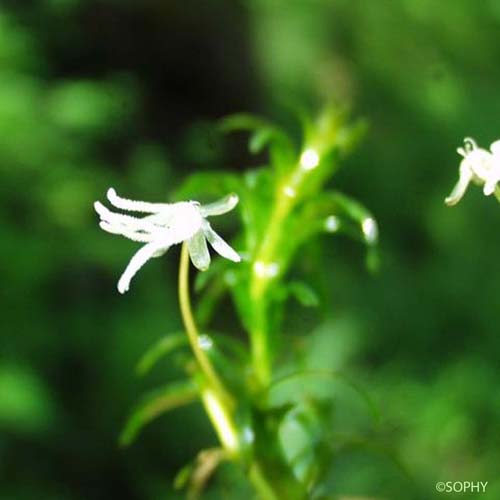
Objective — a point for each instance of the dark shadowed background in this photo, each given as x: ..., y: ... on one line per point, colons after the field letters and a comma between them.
x: 120, y: 93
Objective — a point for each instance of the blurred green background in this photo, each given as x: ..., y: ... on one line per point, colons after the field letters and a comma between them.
x: 120, y: 93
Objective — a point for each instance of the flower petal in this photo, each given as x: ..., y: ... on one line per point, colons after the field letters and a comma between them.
x: 198, y: 251
x: 125, y: 221
x: 461, y: 186
x: 218, y: 244
x: 136, y: 262
x: 134, y: 205
x: 220, y: 207
x: 131, y: 235
x: 489, y: 187
x: 495, y: 148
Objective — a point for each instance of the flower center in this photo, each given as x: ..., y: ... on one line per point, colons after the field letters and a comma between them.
x: 185, y: 223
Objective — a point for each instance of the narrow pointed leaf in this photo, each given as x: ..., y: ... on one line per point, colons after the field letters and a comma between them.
x: 334, y: 212
x: 304, y: 294
x: 264, y: 134
x: 157, y: 351
x: 172, y: 396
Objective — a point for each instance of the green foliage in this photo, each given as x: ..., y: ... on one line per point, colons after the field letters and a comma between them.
x: 86, y: 103
x: 263, y: 195
x: 172, y: 396
x: 159, y: 350
x: 280, y: 430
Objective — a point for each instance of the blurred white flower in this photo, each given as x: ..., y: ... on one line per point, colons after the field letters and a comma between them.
x: 479, y: 166
x: 167, y: 224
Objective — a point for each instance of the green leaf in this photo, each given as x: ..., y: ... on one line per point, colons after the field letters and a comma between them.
x: 229, y: 357
x: 173, y: 395
x: 304, y: 436
x: 250, y: 123
x: 282, y: 151
x: 230, y: 345
x: 375, y: 460
x: 304, y: 294
x: 321, y: 384
x: 378, y: 448
x: 259, y: 140
x: 334, y: 212
x: 228, y: 354
x: 159, y: 350
x: 324, y: 406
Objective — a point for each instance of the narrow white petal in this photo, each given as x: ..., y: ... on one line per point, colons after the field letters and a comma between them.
x: 218, y: 244
x: 495, y: 148
x: 127, y: 221
x: 136, y: 262
x: 490, y: 185
x: 461, y: 186
x: 100, y: 209
x: 470, y: 144
x: 198, y: 251
x: 220, y: 207
x: 134, y: 205
x: 160, y: 218
x: 161, y: 251
x: 131, y: 235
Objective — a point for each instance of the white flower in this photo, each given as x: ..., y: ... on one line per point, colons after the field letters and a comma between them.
x: 479, y: 166
x: 167, y: 224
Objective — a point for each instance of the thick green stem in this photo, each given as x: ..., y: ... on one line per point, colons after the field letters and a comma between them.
x: 266, y: 268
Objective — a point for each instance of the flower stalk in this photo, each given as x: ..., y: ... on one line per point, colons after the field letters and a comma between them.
x: 204, y: 363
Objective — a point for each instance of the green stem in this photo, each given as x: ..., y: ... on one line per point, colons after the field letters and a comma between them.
x: 267, y: 258
x: 497, y: 193
x: 218, y: 403
x: 194, y: 336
